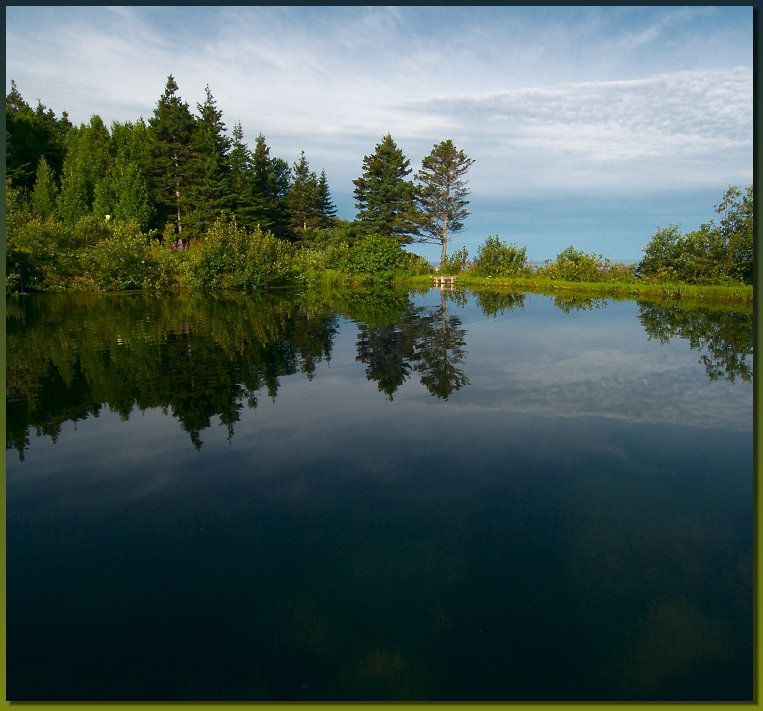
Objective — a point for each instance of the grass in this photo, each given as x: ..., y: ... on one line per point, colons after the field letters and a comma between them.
x: 737, y: 293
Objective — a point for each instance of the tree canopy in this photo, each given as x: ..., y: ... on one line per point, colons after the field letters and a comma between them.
x: 442, y: 193
x: 384, y: 198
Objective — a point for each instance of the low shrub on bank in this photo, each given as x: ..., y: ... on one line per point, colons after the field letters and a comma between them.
x: 231, y: 257
x: 496, y: 258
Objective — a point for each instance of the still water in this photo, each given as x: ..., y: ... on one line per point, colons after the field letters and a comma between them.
x: 378, y: 495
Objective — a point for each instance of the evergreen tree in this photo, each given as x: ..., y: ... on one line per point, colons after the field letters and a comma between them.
x: 271, y: 182
x: 303, y: 198
x: 85, y: 165
x: 209, y: 167
x: 442, y: 193
x: 326, y: 208
x: 45, y: 191
x: 384, y: 198
x: 172, y: 128
x: 246, y: 207
x: 125, y: 193
x: 30, y: 134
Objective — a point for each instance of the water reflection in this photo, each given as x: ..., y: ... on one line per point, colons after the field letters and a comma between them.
x: 200, y: 357
x: 724, y: 338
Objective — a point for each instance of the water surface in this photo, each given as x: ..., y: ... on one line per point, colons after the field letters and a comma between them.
x: 378, y: 495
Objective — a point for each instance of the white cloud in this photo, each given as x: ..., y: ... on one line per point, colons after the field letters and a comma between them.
x: 548, y: 100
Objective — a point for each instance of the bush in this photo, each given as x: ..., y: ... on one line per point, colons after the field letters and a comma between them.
x: 230, y: 257
x: 456, y: 263
x: 418, y: 265
x: 377, y: 257
x: 495, y: 258
x: 124, y: 260
x: 574, y: 265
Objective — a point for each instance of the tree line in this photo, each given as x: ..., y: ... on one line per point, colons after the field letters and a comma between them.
x: 88, y: 207
x: 176, y: 177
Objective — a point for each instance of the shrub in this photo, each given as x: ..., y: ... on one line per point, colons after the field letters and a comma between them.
x: 230, y: 257
x: 377, y: 257
x: 124, y: 260
x: 456, y: 263
x: 418, y: 265
x: 574, y: 265
x: 495, y: 258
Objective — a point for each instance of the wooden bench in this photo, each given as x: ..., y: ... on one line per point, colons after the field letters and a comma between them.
x: 444, y: 281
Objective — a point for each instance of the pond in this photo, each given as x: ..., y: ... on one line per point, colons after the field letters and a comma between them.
x: 378, y: 495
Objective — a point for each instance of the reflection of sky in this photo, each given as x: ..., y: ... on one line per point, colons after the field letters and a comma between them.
x: 540, y: 379
x: 573, y: 491
x: 596, y: 362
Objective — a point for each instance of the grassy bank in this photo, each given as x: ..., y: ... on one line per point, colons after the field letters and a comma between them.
x: 737, y: 293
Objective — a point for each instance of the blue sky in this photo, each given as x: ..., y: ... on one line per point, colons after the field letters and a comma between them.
x: 589, y: 126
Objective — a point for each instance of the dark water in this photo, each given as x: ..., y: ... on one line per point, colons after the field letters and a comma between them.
x: 378, y: 496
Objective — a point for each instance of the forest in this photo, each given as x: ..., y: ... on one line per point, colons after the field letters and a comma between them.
x: 176, y: 202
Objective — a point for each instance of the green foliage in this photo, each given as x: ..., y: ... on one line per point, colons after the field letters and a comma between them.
x: 123, y: 260
x: 575, y: 265
x: 441, y: 195
x: 171, y: 130
x: 384, y: 198
x: 45, y: 192
x: 378, y: 257
x: 418, y: 265
x: 85, y: 165
x: 495, y: 258
x: 713, y: 254
x: 456, y: 263
x: 230, y: 257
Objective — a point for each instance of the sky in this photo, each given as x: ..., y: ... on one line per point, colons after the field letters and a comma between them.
x: 589, y: 126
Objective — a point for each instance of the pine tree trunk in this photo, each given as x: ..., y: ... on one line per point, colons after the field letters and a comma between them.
x: 444, y: 253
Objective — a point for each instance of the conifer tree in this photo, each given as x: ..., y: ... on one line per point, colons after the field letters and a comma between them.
x: 303, y: 198
x: 29, y: 134
x: 327, y: 208
x: 209, y: 167
x: 45, y: 191
x: 171, y: 129
x: 125, y: 192
x: 384, y: 198
x: 442, y: 193
x: 271, y: 185
x: 85, y: 164
x: 239, y: 181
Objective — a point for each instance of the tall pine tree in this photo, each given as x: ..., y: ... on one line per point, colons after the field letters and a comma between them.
x: 85, y: 164
x: 209, y: 167
x: 303, y: 198
x: 384, y: 198
x: 442, y: 193
x: 172, y: 129
x: 271, y: 178
x: 327, y: 208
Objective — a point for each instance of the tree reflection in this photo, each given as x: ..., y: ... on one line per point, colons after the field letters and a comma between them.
x: 724, y: 338
x: 196, y: 357
x: 200, y: 357
x: 425, y: 340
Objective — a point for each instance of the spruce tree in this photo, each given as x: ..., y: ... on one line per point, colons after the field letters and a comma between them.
x: 271, y: 179
x: 125, y: 191
x: 85, y: 165
x: 45, y: 191
x: 327, y: 208
x: 239, y: 181
x: 209, y: 167
x: 303, y: 198
x: 442, y: 193
x: 171, y: 129
x: 384, y: 198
